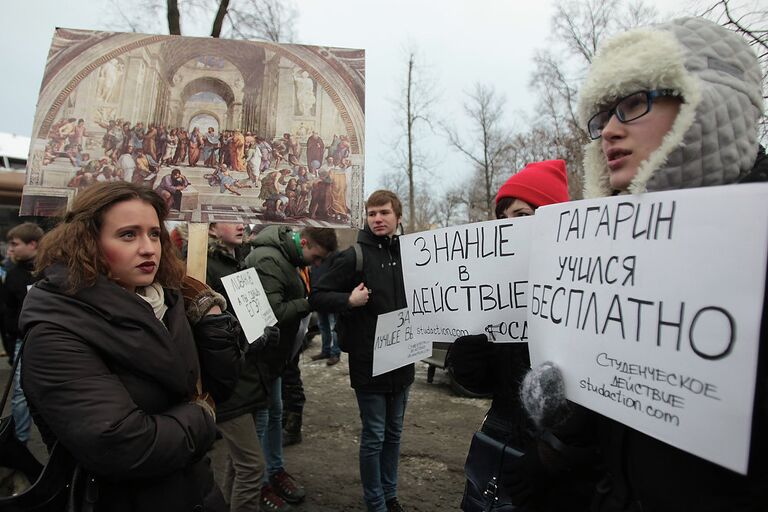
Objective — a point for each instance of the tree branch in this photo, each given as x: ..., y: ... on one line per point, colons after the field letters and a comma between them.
x: 218, y: 21
x: 174, y: 22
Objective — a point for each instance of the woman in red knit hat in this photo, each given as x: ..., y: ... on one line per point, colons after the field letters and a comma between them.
x: 488, y: 368
x: 537, y: 184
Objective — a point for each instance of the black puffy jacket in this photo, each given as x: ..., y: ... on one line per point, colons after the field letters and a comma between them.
x: 113, y: 384
x: 383, y: 275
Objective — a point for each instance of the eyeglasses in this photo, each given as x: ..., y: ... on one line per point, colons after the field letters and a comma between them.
x: 627, y: 109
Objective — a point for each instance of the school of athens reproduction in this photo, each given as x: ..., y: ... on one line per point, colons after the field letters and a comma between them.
x: 226, y: 131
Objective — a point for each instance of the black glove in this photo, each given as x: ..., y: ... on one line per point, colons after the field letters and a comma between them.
x: 469, y: 360
x: 270, y: 338
x: 217, y: 337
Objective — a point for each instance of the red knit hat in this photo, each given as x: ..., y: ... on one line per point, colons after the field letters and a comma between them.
x: 538, y: 184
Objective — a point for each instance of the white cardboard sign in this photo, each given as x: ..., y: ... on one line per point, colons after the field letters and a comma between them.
x: 394, y: 344
x: 651, y: 306
x: 468, y: 279
x: 249, y: 301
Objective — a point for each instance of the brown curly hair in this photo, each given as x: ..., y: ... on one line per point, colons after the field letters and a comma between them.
x: 75, y: 241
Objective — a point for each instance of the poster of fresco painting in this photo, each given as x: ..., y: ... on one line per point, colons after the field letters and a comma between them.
x: 224, y: 130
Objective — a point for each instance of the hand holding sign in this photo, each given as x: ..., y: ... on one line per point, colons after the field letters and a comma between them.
x: 650, y: 306
x: 249, y: 302
x: 469, y: 279
x: 394, y: 345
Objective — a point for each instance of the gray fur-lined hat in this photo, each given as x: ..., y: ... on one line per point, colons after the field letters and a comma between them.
x: 714, y: 137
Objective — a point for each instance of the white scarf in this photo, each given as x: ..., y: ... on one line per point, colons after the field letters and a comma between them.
x: 154, y: 295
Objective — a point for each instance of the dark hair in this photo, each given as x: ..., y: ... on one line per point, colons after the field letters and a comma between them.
x: 382, y: 197
x: 26, y: 232
x: 503, y: 204
x: 75, y: 241
x: 324, y: 237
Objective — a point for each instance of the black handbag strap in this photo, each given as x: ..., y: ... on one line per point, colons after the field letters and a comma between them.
x: 10, y: 379
x: 83, y: 491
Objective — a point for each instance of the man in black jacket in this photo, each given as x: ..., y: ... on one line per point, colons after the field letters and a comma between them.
x: 22, y: 248
x: 359, y: 298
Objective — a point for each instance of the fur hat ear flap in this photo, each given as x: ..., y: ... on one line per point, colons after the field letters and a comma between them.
x: 596, y: 177
x: 714, y: 137
x: 637, y: 60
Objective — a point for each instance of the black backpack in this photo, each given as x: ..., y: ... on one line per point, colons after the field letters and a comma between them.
x: 340, y: 328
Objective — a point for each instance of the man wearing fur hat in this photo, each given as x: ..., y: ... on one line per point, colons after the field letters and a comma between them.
x: 669, y: 106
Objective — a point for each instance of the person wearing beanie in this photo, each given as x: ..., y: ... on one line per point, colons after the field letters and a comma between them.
x: 536, y: 184
x: 670, y: 106
x: 483, y: 367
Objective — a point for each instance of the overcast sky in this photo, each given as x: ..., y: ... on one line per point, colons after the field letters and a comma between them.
x: 463, y: 42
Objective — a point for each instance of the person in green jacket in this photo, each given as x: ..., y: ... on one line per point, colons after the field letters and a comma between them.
x: 277, y: 252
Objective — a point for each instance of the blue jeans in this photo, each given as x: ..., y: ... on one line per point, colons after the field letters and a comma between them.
x: 19, y: 407
x: 326, y: 322
x: 382, y: 416
x: 269, y: 426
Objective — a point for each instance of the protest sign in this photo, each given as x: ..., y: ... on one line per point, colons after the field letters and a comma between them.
x: 468, y: 279
x: 231, y: 116
x: 394, y: 345
x: 651, y: 306
x: 248, y: 299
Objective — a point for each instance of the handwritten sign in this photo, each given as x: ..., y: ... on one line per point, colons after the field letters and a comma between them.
x: 651, y: 306
x: 394, y: 345
x: 249, y: 301
x: 468, y: 279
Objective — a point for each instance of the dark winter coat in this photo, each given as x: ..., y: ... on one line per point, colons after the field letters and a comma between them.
x: 498, y: 368
x: 383, y: 275
x: 221, y: 263
x: 250, y: 392
x: 16, y: 281
x: 276, y: 258
x: 759, y: 172
x: 645, y: 472
x: 113, y: 383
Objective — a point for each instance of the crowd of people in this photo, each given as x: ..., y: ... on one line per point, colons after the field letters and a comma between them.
x: 112, y: 286
x: 290, y: 188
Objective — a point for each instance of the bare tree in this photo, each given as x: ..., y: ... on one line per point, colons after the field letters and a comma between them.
x: 218, y: 20
x: 434, y: 209
x: 753, y: 26
x: 425, y: 216
x: 489, y: 144
x: 273, y: 20
x: 413, y: 110
x: 579, y: 27
x: 450, y: 208
x: 174, y: 18
x: 396, y: 182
